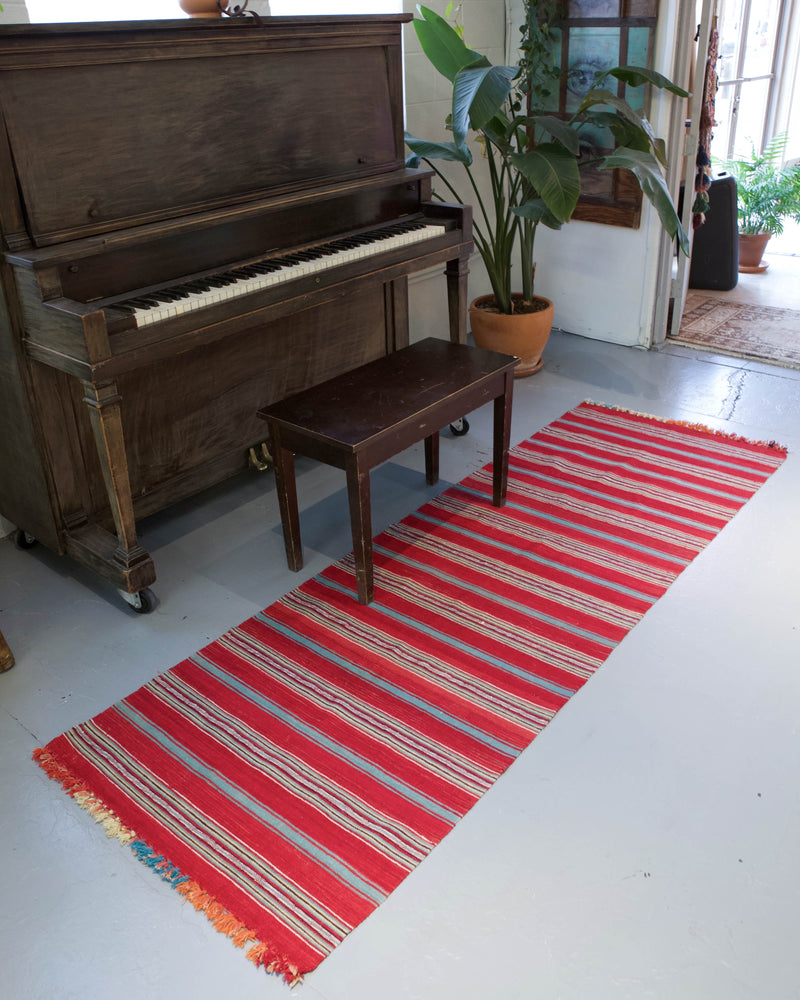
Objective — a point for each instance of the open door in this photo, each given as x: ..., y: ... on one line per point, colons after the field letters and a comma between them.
x: 696, y: 50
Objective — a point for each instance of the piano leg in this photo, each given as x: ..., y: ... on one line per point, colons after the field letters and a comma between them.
x: 457, y: 272
x: 6, y: 656
x: 128, y: 565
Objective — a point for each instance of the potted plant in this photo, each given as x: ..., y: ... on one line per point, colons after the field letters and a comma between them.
x: 534, y: 157
x: 766, y: 195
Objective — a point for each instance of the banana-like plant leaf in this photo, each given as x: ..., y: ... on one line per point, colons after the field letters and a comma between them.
x: 424, y: 149
x: 559, y: 130
x: 627, y: 134
x: 553, y: 173
x: 635, y: 76
x: 537, y: 212
x: 442, y: 44
x: 645, y: 169
x: 659, y: 147
x: 498, y: 131
x: 478, y: 94
x: 598, y: 95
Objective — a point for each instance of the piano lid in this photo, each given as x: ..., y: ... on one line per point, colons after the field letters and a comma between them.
x: 109, y: 126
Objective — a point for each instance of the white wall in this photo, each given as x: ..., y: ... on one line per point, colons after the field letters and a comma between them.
x: 602, y: 279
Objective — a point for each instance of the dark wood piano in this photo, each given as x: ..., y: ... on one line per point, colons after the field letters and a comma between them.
x: 198, y: 218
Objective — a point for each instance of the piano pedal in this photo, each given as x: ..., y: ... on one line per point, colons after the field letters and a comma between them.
x: 259, y: 458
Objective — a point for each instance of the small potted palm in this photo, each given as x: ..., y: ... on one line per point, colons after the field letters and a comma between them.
x: 766, y: 195
x: 534, y: 159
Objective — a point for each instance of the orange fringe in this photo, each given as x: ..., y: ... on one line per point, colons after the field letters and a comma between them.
x: 260, y: 954
x: 772, y: 445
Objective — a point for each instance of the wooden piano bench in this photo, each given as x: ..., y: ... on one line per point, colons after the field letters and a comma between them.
x: 364, y: 417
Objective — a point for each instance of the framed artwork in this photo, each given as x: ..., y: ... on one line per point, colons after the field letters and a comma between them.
x: 594, y: 36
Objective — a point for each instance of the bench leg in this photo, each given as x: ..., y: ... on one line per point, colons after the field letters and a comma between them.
x: 432, y: 459
x: 287, y: 501
x: 502, y: 437
x: 358, y: 493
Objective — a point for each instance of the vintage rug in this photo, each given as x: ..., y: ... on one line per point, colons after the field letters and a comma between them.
x: 761, y: 332
x: 288, y: 776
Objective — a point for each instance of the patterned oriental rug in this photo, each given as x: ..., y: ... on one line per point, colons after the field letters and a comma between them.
x: 762, y: 332
x: 287, y: 777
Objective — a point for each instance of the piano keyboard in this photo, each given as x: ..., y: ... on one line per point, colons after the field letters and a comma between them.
x: 200, y: 293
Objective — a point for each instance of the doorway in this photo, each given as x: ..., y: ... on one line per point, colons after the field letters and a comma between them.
x: 756, y: 98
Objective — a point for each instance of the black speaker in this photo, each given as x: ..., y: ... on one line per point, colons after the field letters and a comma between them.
x: 715, y: 249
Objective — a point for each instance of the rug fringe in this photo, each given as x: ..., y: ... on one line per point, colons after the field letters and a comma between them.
x: 704, y: 428
x: 259, y: 953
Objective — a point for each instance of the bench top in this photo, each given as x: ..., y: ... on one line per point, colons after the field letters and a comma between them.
x: 360, y: 404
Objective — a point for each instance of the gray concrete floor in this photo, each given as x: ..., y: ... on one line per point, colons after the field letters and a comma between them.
x: 645, y: 846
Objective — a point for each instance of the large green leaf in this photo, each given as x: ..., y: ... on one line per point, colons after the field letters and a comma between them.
x: 498, y: 131
x: 537, y: 212
x: 553, y: 173
x: 427, y: 150
x: 636, y: 76
x: 598, y: 95
x: 443, y: 45
x: 627, y: 134
x: 645, y: 169
x: 559, y: 130
x: 478, y: 94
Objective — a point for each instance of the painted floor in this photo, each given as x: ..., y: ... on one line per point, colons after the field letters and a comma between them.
x: 644, y: 847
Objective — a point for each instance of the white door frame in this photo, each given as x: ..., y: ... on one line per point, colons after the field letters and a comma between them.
x: 689, y: 71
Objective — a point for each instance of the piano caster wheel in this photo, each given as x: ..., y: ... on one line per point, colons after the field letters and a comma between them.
x: 459, y: 427
x: 23, y: 540
x: 142, y: 603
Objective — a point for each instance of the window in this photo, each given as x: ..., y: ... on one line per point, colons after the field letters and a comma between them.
x: 748, y: 32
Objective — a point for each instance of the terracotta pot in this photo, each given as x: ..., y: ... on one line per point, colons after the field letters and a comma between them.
x: 521, y: 334
x: 200, y: 8
x: 751, y: 250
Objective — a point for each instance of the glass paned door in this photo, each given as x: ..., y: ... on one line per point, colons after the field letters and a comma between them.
x: 748, y: 31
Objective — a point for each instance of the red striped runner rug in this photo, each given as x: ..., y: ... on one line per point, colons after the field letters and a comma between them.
x: 287, y: 777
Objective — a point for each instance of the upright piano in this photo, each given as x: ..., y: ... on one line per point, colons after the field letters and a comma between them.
x: 198, y: 218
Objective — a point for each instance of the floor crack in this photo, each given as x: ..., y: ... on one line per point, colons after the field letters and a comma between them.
x: 735, y: 389
x: 21, y: 724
